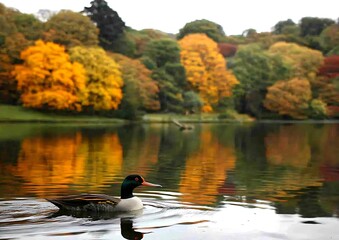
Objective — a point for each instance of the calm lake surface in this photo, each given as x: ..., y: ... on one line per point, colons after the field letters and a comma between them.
x: 220, y: 181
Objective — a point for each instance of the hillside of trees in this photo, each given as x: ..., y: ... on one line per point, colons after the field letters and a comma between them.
x: 92, y: 63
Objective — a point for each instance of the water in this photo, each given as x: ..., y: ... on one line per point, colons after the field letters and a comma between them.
x: 220, y: 181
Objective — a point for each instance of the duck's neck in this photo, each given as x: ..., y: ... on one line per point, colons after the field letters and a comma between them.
x: 126, y: 191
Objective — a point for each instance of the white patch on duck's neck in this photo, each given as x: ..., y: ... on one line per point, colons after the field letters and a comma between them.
x: 129, y: 204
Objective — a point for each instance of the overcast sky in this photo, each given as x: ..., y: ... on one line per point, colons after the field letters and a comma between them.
x: 234, y: 16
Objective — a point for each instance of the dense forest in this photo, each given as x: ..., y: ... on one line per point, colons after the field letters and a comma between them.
x: 92, y: 63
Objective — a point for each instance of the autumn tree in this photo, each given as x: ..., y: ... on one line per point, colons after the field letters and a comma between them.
x: 289, y: 98
x: 12, y: 42
x: 71, y: 29
x: 303, y: 61
x: 140, y: 91
x: 256, y: 69
x: 48, y: 79
x: 326, y: 85
x: 103, y: 78
x: 206, y: 70
x: 107, y: 21
x: 227, y: 49
x: 211, y: 29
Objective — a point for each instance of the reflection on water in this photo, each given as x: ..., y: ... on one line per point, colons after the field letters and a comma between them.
x: 292, y: 168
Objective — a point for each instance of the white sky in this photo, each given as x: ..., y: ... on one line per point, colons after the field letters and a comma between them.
x: 234, y: 16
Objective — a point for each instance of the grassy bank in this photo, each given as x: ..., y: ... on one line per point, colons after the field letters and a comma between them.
x: 10, y: 113
x: 202, y: 118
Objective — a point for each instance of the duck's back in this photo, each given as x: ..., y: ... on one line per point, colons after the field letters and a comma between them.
x: 87, y: 202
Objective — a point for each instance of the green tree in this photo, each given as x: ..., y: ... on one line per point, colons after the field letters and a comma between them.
x: 140, y: 91
x: 303, y: 60
x: 211, y: 29
x: 107, y: 21
x: 133, y: 43
x: 71, y: 29
x: 313, y: 26
x: 256, y: 69
x: 192, y: 102
x: 170, y: 94
x: 103, y: 75
x: 163, y: 51
x: 280, y: 27
x: 329, y: 38
x: 29, y: 26
x: 168, y: 72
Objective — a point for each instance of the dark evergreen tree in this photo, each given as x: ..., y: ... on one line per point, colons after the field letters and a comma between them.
x: 312, y: 26
x: 107, y: 21
x: 281, y: 25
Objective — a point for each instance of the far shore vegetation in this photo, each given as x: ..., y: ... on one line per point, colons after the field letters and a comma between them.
x: 52, y: 70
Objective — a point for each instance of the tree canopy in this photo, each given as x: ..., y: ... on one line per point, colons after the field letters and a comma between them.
x: 140, y: 90
x: 107, y: 20
x: 71, y: 29
x: 304, y: 61
x: 48, y: 79
x: 206, y: 69
x: 103, y: 78
x: 211, y: 29
x: 289, y: 98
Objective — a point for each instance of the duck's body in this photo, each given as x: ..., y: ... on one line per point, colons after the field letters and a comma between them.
x: 105, y: 203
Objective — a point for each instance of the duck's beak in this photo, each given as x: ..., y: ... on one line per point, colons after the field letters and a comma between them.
x: 150, y: 184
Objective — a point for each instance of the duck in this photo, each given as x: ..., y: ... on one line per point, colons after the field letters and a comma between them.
x: 105, y: 203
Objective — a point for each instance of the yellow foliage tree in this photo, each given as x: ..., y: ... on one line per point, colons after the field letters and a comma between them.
x: 48, y: 79
x: 289, y: 98
x: 104, y: 81
x: 206, y: 69
x: 304, y: 61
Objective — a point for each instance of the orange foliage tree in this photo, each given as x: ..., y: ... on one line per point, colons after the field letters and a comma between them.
x: 48, y: 79
x: 289, y: 98
x: 103, y: 77
x: 206, y: 69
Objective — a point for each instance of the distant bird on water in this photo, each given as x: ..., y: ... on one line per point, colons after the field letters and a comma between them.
x: 105, y: 203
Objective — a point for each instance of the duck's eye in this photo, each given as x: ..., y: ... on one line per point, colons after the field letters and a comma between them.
x: 136, y: 179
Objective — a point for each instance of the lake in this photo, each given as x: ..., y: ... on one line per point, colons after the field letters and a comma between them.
x: 220, y: 181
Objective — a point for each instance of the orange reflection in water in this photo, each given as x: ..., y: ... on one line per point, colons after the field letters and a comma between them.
x: 290, y: 147
x: 103, y: 155
x: 52, y: 165
x: 206, y: 171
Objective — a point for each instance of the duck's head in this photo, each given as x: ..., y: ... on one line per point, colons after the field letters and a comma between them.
x: 131, y: 182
